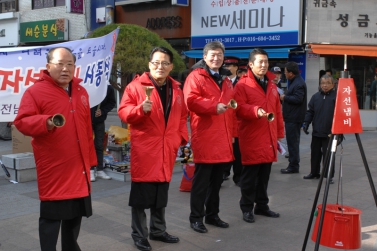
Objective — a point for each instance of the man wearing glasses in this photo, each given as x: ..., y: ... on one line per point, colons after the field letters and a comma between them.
x: 158, y: 128
x: 63, y: 155
x: 207, y: 92
x: 294, y: 109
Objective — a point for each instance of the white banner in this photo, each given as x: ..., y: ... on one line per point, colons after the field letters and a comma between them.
x: 20, y: 67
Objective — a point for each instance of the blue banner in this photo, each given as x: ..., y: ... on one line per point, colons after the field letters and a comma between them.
x: 248, y: 40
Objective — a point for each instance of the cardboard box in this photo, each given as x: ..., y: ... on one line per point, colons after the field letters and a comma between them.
x: 20, y: 142
x: 21, y: 166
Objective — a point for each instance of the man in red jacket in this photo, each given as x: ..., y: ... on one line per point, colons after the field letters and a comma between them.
x: 207, y: 92
x: 158, y: 128
x: 257, y: 96
x: 63, y: 154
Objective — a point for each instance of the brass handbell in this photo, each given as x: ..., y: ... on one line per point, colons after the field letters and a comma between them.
x: 232, y: 104
x: 58, y: 120
x: 148, y: 91
x: 270, y: 116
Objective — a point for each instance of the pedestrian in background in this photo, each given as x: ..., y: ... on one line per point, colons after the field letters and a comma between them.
x: 158, y: 128
x: 207, y: 92
x: 257, y: 95
x: 373, y: 94
x: 294, y: 108
x: 242, y: 69
x: 320, y: 114
x: 231, y: 63
x: 99, y: 115
x: 277, y: 80
x: 63, y: 155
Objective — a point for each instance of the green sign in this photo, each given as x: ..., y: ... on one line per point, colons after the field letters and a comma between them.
x: 44, y: 31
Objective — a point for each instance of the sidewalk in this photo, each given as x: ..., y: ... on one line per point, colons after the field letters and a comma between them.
x: 109, y: 228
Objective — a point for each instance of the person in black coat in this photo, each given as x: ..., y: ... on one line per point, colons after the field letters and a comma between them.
x: 232, y: 64
x: 294, y: 108
x: 320, y: 113
x: 99, y: 115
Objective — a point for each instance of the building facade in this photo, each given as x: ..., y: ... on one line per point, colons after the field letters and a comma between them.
x: 337, y: 28
x: 36, y: 22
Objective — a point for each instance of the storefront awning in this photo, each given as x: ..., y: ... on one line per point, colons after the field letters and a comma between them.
x: 244, y: 53
x: 354, y: 50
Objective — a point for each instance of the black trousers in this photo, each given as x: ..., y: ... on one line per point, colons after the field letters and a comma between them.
x: 49, y: 232
x: 318, y: 152
x: 254, y: 183
x: 237, y: 164
x: 157, y: 223
x: 99, y: 135
x: 292, y: 131
x: 205, y: 191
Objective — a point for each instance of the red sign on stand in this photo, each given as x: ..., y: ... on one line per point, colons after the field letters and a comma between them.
x: 346, y: 115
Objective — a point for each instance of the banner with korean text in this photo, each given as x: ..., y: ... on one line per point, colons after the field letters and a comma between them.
x: 346, y: 114
x: 251, y: 23
x: 20, y: 67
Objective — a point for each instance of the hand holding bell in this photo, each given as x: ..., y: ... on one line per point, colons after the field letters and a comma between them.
x: 268, y: 115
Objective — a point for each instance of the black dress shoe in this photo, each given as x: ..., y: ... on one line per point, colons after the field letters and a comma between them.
x: 248, y: 217
x: 267, y: 213
x: 287, y: 170
x: 199, y: 227
x: 143, y: 244
x: 165, y: 237
x: 311, y: 176
x: 217, y: 222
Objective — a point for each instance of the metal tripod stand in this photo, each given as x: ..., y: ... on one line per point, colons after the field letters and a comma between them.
x: 330, y: 163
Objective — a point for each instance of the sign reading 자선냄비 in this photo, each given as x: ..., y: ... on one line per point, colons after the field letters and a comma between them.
x: 44, y: 31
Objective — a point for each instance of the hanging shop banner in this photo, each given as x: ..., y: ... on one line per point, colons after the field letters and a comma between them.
x: 44, y: 31
x: 246, y: 23
x: 94, y: 59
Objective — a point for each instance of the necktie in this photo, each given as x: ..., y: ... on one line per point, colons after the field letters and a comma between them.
x: 216, y: 75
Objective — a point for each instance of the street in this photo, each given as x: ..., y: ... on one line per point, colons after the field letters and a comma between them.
x: 290, y: 195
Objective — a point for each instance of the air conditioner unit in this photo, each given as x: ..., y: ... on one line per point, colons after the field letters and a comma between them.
x: 9, y: 15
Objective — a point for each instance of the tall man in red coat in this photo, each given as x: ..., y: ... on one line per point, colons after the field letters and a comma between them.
x: 63, y: 155
x: 257, y: 96
x: 207, y: 92
x: 158, y: 128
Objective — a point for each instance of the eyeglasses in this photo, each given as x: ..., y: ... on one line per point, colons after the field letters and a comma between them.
x: 163, y: 64
x: 61, y: 65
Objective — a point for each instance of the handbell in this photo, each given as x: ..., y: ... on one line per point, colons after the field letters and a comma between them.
x: 270, y: 116
x: 232, y: 104
x: 148, y: 91
x: 58, y: 120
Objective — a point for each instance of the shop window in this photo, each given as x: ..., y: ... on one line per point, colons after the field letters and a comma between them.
x: 8, y: 6
x: 40, y: 4
x: 362, y: 70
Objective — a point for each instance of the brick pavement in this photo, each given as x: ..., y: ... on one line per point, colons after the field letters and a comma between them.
x: 290, y: 195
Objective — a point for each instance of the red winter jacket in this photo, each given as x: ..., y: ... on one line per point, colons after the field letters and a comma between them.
x: 211, y: 133
x: 154, y: 145
x: 63, y: 155
x: 258, y: 137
